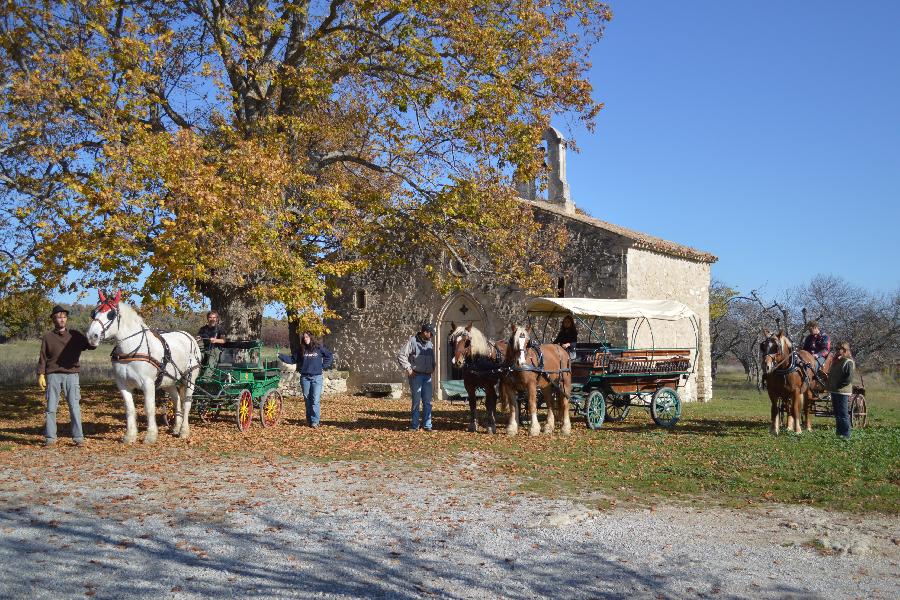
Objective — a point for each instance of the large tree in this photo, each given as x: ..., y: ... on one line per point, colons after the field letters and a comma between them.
x: 252, y: 151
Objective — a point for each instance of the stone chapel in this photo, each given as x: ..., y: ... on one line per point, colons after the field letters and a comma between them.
x: 380, y: 309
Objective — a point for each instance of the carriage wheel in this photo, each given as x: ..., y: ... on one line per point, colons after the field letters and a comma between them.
x: 270, y: 408
x: 665, y: 407
x: 595, y: 411
x: 244, y: 410
x: 617, y: 407
x: 858, y: 413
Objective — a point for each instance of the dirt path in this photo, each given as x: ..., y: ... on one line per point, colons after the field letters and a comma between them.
x: 176, y: 525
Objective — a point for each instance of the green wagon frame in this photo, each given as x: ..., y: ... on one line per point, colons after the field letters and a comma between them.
x: 243, y: 382
x: 607, y: 381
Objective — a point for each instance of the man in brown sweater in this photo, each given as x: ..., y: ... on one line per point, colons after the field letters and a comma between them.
x: 58, y: 373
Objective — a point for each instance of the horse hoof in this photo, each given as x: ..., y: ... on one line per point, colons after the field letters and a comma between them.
x: 566, y: 431
x: 534, y: 432
x: 149, y: 439
x: 473, y: 427
x: 185, y: 434
x: 129, y: 439
x: 511, y: 432
x: 492, y: 430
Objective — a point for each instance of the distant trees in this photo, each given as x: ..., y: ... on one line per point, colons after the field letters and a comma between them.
x: 869, y: 322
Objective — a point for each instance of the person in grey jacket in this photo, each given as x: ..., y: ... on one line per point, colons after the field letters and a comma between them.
x: 416, y: 357
x: 840, y: 384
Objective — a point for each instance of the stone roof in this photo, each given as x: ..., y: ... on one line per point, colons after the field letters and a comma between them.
x: 639, y: 240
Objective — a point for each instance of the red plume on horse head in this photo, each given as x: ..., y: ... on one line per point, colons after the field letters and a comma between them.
x: 106, y: 300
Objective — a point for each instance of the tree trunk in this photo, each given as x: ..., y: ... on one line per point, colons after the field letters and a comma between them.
x: 293, y: 332
x: 239, y: 311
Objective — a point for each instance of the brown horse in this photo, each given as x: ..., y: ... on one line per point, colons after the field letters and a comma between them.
x: 527, y: 374
x: 790, y: 378
x: 481, y: 362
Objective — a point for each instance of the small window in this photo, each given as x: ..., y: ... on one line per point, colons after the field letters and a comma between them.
x: 561, y: 287
x: 359, y: 299
x: 456, y: 267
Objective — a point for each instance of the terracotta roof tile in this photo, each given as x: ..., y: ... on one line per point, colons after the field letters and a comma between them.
x: 640, y: 240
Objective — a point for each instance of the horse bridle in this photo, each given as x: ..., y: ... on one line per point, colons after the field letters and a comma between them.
x: 112, y: 315
x: 770, y: 341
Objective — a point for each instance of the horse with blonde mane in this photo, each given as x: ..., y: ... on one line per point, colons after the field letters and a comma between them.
x: 482, y: 364
x: 146, y: 360
x: 790, y: 379
x: 548, y: 369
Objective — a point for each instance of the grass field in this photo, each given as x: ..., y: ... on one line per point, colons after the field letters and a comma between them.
x: 721, y: 452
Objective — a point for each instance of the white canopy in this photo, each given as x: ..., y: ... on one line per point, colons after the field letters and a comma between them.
x: 665, y: 310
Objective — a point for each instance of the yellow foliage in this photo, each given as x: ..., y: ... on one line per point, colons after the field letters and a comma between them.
x: 180, y: 150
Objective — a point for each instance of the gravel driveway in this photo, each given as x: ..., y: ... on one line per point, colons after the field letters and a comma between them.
x: 247, y: 527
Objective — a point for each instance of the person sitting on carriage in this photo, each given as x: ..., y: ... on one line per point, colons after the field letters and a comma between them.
x: 817, y: 343
x: 212, y: 335
x: 568, y: 335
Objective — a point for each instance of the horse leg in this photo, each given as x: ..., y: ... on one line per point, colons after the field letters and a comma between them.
x: 490, y: 404
x: 184, y: 431
x: 473, y: 405
x: 535, y: 427
x: 797, y: 409
x: 564, y: 409
x: 807, y: 410
x: 150, y: 411
x: 776, y: 413
x: 130, y: 417
x: 176, y: 405
x: 550, y: 424
x: 507, y: 392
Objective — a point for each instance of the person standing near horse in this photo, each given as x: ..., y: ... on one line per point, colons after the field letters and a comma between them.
x: 312, y: 359
x: 567, y: 336
x: 416, y: 357
x: 840, y: 384
x: 58, y: 369
x: 817, y: 343
x: 213, y: 337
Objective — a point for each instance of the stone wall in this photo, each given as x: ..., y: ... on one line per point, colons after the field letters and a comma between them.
x: 366, y: 340
x: 333, y: 382
x: 657, y: 276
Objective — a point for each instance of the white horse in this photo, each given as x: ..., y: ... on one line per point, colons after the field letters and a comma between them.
x: 146, y: 360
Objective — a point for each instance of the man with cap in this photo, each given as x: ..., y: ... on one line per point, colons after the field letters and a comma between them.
x: 416, y: 357
x: 58, y: 373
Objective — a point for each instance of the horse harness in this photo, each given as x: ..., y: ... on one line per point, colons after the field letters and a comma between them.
x: 493, y: 371
x: 114, y: 315
x: 796, y: 364
x: 539, y: 368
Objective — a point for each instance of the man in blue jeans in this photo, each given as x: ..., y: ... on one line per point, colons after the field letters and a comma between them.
x: 58, y: 368
x: 416, y: 357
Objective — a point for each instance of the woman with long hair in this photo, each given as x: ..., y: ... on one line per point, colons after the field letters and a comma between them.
x: 312, y: 359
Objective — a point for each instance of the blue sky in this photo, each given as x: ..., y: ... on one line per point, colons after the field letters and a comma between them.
x: 767, y: 133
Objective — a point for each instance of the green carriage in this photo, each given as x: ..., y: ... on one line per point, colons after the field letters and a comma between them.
x: 610, y: 378
x: 240, y: 380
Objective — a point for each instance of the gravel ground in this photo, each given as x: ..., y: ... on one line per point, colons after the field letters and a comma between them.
x: 247, y: 527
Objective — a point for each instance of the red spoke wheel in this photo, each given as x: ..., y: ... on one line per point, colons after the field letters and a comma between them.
x: 244, y: 410
x: 270, y: 408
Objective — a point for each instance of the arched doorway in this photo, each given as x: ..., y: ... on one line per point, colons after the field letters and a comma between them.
x: 461, y: 309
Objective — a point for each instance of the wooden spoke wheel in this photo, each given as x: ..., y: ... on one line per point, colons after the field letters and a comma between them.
x: 665, y: 407
x: 595, y: 410
x: 270, y: 408
x: 244, y: 410
x: 617, y: 407
x: 858, y: 413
